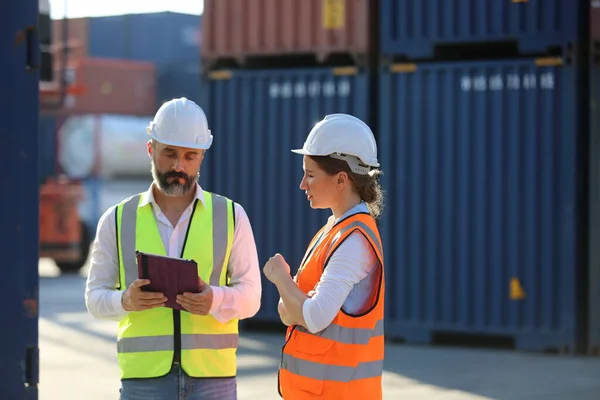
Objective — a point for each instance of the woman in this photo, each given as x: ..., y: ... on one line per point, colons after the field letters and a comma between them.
x: 333, y: 307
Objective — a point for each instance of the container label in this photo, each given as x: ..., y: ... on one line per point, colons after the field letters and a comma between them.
x: 331, y: 88
x: 334, y: 14
x: 527, y: 81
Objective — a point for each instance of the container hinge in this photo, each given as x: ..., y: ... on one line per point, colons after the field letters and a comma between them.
x: 345, y: 71
x: 220, y: 75
x: 548, y: 61
x: 32, y: 366
x: 403, y: 68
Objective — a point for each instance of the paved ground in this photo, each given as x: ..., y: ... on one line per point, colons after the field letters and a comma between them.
x: 78, y: 361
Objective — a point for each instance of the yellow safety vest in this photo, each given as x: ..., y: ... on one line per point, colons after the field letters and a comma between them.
x: 150, y: 341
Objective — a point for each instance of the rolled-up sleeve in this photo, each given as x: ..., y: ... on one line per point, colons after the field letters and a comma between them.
x: 241, y: 298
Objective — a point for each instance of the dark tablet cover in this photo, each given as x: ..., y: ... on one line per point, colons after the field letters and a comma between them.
x: 169, y: 276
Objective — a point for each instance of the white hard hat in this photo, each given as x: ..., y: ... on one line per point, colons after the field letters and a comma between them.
x: 182, y: 123
x: 344, y: 137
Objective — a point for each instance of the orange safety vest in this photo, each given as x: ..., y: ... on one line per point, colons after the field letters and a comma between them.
x: 345, y: 360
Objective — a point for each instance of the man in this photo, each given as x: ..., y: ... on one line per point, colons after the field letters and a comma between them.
x: 165, y: 353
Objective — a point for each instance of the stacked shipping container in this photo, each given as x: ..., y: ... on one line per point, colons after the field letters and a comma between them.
x: 167, y: 41
x: 286, y: 76
x: 481, y: 120
x: 128, y: 65
x: 250, y: 160
x: 480, y: 132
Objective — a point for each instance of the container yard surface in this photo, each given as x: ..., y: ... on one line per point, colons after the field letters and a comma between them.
x: 484, y: 214
x: 78, y: 361
x: 413, y: 27
x: 251, y: 161
x: 243, y: 28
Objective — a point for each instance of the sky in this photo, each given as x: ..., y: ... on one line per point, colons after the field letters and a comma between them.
x: 96, y: 8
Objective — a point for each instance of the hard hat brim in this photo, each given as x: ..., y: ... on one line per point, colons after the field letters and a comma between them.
x: 373, y: 164
x: 186, y: 145
x: 303, y: 152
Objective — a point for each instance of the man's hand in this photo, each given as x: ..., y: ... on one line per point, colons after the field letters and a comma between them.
x: 197, y: 303
x: 134, y: 299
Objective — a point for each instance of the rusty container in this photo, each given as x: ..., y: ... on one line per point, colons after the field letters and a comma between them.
x: 240, y: 29
x: 112, y: 87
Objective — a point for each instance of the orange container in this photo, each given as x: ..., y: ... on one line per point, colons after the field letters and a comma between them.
x: 60, y: 230
x: 112, y: 87
x: 239, y: 29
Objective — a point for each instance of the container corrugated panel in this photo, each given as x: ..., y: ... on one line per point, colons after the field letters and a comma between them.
x: 165, y: 37
x: 179, y: 80
x: 413, y: 27
x: 251, y: 161
x: 113, y: 87
x: 20, y: 223
x: 110, y: 37
x: 242, y: 28
x: 594, y: 215
x: 481, y: 221
x: 47, y: 146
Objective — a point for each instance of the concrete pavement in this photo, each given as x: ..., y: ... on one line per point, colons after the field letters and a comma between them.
x: 78, y: 361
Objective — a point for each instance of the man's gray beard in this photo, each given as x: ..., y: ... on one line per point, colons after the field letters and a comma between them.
x: 174, y: 189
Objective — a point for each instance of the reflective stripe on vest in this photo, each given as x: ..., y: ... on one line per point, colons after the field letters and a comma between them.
x: 347, y: 335
x: 188, y: 342
x: 328, y: 372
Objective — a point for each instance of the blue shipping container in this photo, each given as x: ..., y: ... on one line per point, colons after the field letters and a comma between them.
x: 594, y: 215
x: 154, y: 37
x: 165, y: 37
x: 47, y: 146
x: 110, y: 37
x: 19, y: 369
x: 257, y: 118
x: 413, y: 27
x: 179, y: 79
x: 482, y: 202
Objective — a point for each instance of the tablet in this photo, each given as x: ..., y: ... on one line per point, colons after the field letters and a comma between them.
x: 168, y: 275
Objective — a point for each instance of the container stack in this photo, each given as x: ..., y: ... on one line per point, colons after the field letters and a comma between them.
x: 128, y: 65
x: 482, y: 120
x: 273, y: 70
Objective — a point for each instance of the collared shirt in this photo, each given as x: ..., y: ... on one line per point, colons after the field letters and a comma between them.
x: 241, y: 299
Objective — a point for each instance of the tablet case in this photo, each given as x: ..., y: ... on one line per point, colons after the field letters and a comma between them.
x: 168, y: 275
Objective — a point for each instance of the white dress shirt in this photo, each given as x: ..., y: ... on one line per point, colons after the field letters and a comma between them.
x: 241, y: 299
x: 348, y: 281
